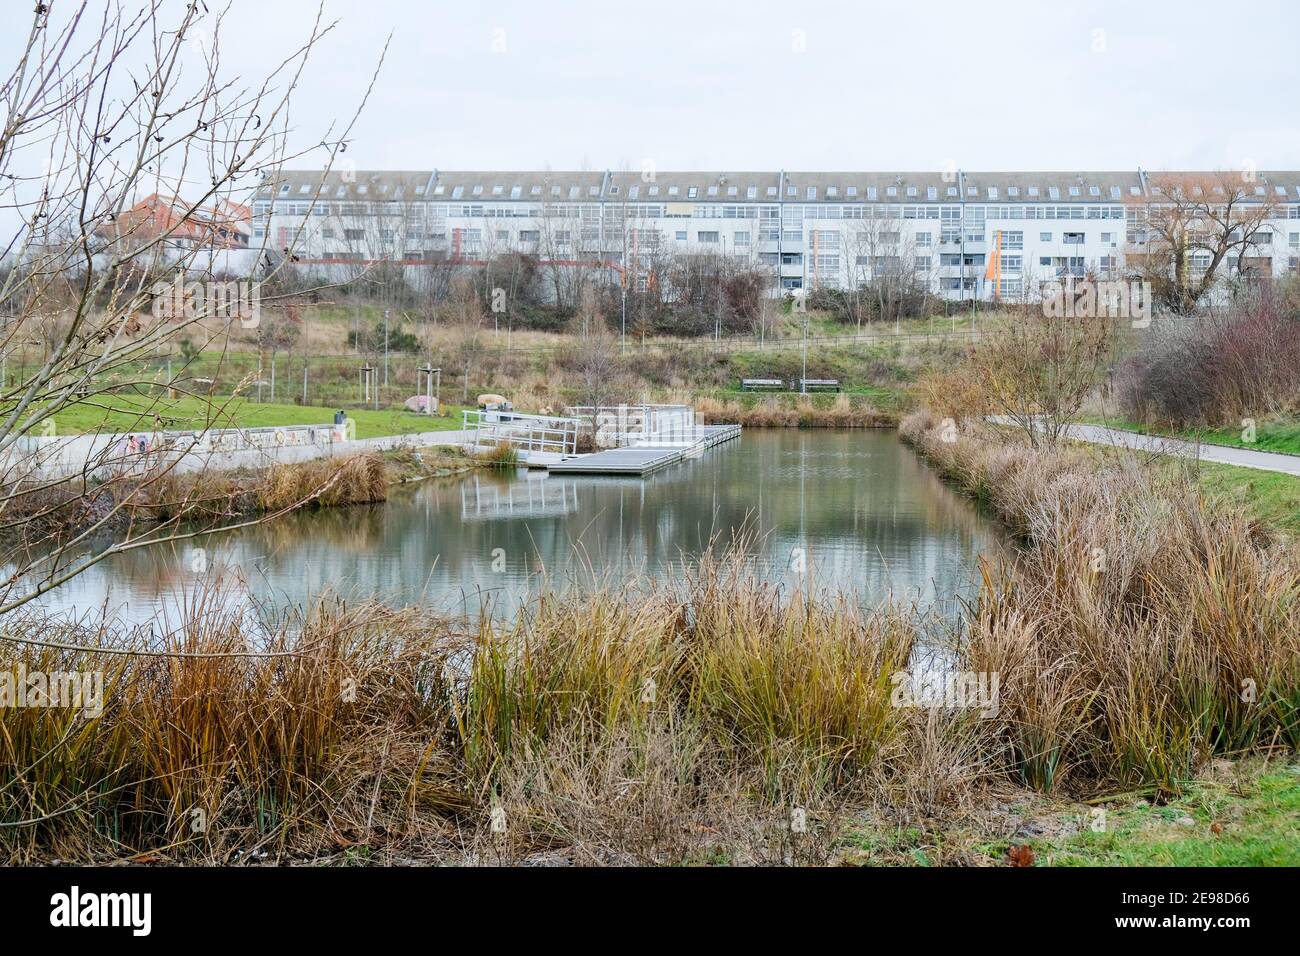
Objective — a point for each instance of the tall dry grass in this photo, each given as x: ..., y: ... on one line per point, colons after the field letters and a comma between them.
x: 1143, y: 628
x: 324, y: 482
x: 774, y: 411
x: 650, y: 724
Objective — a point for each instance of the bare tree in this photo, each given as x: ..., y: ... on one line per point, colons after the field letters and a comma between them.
x: 1188, y: 225
x: 119, y: 104
x: 1037, y: 369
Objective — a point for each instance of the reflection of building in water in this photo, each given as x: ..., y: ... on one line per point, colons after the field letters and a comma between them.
x: 534, y: 498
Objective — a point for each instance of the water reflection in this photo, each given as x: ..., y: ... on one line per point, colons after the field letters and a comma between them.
x: 853, y: 511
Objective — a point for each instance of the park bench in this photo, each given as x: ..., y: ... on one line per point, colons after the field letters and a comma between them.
x: 809, y: 384
x: 758, y: 384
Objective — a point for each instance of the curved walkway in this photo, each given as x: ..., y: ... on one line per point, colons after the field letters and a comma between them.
x: 1160, y: 445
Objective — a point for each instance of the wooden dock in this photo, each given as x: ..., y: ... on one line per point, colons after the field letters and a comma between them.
x: 645, y: 459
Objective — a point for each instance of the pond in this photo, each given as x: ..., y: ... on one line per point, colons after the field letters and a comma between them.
x: 853, y: 511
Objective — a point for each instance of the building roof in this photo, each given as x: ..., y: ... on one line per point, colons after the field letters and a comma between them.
x: 373, y: 185
x: 534, y: 185
x: 769, y: 186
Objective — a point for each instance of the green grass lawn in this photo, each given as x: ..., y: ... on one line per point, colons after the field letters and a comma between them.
x: 1272, y: 497
x: 122, y: 413
x: 1233, y: 815
x: 1258, y: 824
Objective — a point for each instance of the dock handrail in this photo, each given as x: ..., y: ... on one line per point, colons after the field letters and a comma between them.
x: 539, y: 433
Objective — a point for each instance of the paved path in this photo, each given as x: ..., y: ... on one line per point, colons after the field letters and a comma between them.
x: 1220, y: 454
x: 264, y: 457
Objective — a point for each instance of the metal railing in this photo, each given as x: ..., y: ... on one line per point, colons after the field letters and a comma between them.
x: 623, y: 426
x: 537, y: 433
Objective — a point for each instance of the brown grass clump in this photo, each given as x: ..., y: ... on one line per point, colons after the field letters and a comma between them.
x: 1143, y: 630
x: 803, y: 411
x: 648, y: 725
x: 324, y: 482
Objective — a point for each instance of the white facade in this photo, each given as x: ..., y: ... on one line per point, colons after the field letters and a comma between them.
x: 809, y: 229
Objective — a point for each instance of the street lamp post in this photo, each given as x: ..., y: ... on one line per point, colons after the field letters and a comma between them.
x: 386, y: 311
x: 803, y: 382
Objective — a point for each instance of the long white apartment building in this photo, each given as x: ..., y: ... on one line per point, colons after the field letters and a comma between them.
x: 808, y: 229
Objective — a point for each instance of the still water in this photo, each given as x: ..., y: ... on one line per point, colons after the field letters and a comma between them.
x: 853, y: 511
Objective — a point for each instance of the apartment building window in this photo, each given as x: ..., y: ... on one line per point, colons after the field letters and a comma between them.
x: 741, y: 238
x: 1107, y: 237
x: 354, y: 235
x: 923, y: 239
x: 1012, y: 286
x: 1013, y: 240
x: 1295, y: 241
x: 1011, y: 263
x: 1044, y: 260
x: 791, y: 258
x: 681, y: 235
x: 706, y: 236
x: 692, y: 192
x: 890, y: 238
x: 564, y: 236
x: 1072, y: 238
x: 923, y: 263
x: 1044, y: 237
x: 1262, y: 238
x: 530, y: 235
x: 503, y: 235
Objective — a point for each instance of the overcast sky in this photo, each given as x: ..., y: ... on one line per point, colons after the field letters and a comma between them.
x: 765, y: 85
x: 813, y: 85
